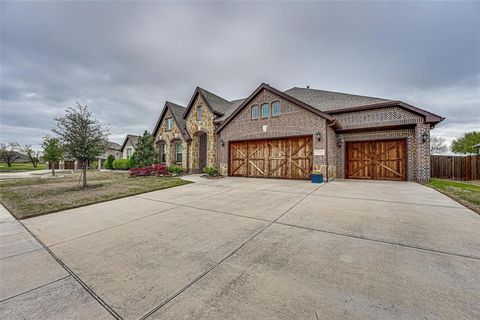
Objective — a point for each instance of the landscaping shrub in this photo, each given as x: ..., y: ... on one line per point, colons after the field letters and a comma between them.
x: 156, y: 169
x: 109, y: 162
x: 132, y: 162
x: 211, y: 171
x: 121, y: 164
x: 175, y: 170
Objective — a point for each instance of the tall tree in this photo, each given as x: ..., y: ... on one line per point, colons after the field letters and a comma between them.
x: 438, y: 145
x: 9, y: 152
x: 52, y: 151
x: 464, y: 144
x: 82, y: 136
x: 145, y: 151
x: 32, y: 155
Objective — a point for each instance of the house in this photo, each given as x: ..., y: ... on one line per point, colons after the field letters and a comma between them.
x: 289, y: 134
x: 477, y: 146
x: 114, y: 149
x: 128, y: 146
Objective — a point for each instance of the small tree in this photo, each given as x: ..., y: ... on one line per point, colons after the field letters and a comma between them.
x: 145, y: 151
x: 9, y: 152
x: 438, y: 145
x: 464, y: 145
x: 82, y: 136
x: 52, y: 151
x: 32, y: 155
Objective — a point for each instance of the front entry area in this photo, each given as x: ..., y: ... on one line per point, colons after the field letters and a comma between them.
x: 377, y: 160
x: 290, y: 158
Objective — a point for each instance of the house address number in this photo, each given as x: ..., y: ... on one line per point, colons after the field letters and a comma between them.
x: 319, y: 152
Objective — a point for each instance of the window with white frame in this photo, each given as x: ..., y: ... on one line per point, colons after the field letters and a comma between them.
x: 255, y: 112
x: 265, y: 110
x: 169, y: 122
x: 199, y: 113
x: 129, y: 153
x: 162, y: 149
x: 276, y: 109
x: 178, y: 152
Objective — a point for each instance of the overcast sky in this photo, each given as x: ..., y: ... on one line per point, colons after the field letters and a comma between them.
x: 125, y: 59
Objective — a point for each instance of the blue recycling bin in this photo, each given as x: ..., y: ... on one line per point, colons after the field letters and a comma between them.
x: 316, y: 178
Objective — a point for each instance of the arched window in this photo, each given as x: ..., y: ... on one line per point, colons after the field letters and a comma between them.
x: 276, y: 108
x: 178, y: 152
x: 265, y: 110
x: 255, y: 113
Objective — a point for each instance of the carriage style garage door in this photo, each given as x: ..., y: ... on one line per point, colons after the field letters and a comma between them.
x: 383, y: 160
x: 276, y: 158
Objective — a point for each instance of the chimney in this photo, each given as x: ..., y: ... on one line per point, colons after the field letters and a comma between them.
x: 308, y: 87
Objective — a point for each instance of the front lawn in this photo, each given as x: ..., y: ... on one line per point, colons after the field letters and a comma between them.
x: 26, y: 198
x: 465, y: 192
x: 27, y: 166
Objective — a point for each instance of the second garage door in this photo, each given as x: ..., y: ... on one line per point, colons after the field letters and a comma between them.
x: 276, y: 158
x: 383, y: 160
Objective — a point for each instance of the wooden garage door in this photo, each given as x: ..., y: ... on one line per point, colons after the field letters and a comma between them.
x: 277, y: 158
x: 383, y: 160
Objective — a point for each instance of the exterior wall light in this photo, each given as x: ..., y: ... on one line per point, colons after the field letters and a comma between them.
x: 318, y: 135
x: 222, y: 143
x: 424, y: 137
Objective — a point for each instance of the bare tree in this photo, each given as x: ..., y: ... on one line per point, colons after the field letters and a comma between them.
x: 81, y: 135
x: 438, y: 145
x: 9, y: 152
x: 32, y: 155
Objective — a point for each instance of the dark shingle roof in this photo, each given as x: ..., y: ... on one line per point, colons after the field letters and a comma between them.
x: 218, y: 104
x: 329, y: 101
x: 234, y: 104
x: 177, y: 112
x: 114, y: 145
x: 133, y: 139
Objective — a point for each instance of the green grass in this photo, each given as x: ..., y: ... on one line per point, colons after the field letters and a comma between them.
x: 465, y: 192
x: 26, y: 198
x: 21, y: 167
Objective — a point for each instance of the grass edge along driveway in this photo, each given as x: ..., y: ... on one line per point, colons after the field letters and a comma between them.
x: 26, y: 198
x: 465, y: 192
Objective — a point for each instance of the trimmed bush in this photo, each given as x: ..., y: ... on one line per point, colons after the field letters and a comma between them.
x: 121, y: 164
x: 175, y: 170
x: 210, y: 171
x: 109, y: 162
x: 153, y: 170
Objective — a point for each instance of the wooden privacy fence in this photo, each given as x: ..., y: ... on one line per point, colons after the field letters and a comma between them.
x: 455, y: 167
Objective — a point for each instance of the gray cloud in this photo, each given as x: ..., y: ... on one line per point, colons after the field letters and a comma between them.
x: 125, y: 59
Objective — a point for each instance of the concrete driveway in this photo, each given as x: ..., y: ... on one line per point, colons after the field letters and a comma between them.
x: 240, y: 248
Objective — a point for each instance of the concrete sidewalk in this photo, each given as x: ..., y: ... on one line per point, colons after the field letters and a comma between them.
x: 33, y: 285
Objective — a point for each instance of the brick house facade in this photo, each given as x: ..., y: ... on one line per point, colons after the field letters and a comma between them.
x: 302, y: 130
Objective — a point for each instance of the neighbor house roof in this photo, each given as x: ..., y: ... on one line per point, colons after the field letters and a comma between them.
x: 281, y: 94
x: 177, y: 113
x: 477, y: 146
x: 133, y: 140
x: 114, y: 145
x: 337, y: 102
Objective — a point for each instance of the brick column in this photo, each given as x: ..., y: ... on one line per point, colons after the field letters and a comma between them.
x: 422, y: 153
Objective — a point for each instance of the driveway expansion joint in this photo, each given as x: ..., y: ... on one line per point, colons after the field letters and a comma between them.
x: 36, y: 288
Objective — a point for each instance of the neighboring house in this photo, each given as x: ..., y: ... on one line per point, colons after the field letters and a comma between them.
x: 129, y: 145
x: 114, y: 149
x: 292, y: 133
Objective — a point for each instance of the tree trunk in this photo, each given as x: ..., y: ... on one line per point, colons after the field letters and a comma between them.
x: 52, y: 163
x: 9, y: 164
x: 84, y: 174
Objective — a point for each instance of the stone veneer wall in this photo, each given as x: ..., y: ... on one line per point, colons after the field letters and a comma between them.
x: 170, y: 137
x: 194, y: 127
x: 294, y: 121
x: 418, y: 152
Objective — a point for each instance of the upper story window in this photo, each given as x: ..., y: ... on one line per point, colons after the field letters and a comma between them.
x: 265, y: 110
x: 169, y: 123
x: 255, y: 112
x: 129, y: 153
x: 199, y: 113
x: 276, y: 110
